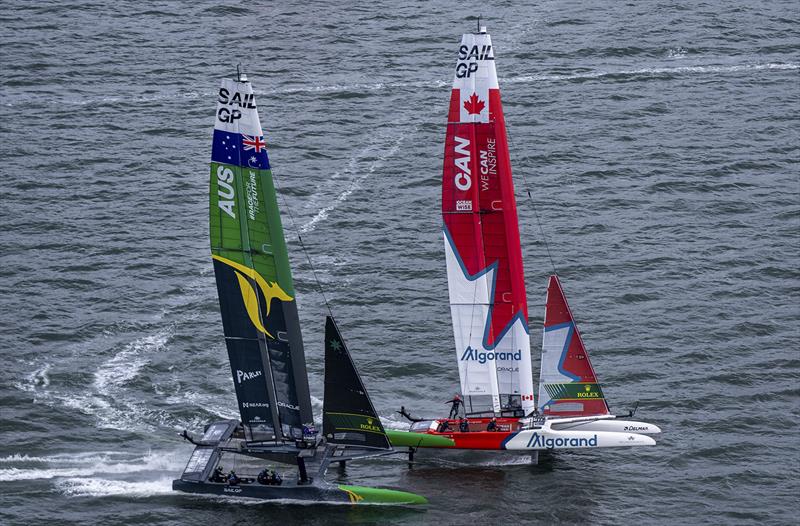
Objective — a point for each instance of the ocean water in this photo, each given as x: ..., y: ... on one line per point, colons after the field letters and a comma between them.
x: 659, y: 143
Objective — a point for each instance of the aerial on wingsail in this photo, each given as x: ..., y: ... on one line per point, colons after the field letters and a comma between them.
x: 488, y: 303
x: 265, y: 346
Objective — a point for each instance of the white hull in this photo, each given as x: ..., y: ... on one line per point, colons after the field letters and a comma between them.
x: 606, y: 424
x: 587, y: 437
x: 544, y: 439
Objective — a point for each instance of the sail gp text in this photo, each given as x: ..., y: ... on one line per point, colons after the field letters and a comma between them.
x: 467, y: 59
x: 240, y: 100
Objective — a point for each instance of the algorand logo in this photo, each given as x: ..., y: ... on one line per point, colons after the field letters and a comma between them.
x: 540, y: 441
x: 481, y: 357
x: 246, y: 375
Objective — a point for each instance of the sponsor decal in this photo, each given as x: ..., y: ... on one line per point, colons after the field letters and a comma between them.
x: 249, y: 405
x: 246, y: 375
x: 538, y: 440
x: 288, y: 406
x: 225, y: 190
x: 231, y: 489
x: 588, y: 393
x: 251, y: 195
x: 471, y: 354
x: 488, y: 163
x: 369, y: 426
x: 463, y: 206
x: 636, y: 428
x: 574, y: 391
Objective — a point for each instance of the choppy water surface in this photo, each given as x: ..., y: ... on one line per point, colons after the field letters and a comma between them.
x: 659, y: 143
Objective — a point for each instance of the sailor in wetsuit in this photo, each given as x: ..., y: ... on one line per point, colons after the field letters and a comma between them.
x: 463, y: 426
x: 492, y: 425
x: 263, y: 477
x: 233, y: 480
x: 444, y: 427
x: 218, y: 475
x: 456, y: 401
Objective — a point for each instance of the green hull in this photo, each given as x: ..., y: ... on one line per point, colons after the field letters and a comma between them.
x: 408, y: 439
x: 364, y: 495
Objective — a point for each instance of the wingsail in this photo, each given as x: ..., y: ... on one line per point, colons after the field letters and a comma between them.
x: 254, y: 280
x: 567, y: 382
x: 486, y: 281
x: 348, y: 416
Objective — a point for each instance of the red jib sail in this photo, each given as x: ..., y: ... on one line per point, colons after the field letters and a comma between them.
x: 567, y: 383
x: 481, y: 236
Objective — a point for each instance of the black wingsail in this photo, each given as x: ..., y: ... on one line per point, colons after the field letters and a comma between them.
x: 348, y: 417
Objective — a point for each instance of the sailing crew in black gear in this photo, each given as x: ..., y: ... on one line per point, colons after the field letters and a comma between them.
x: 444, y: 426
x: 492, y: 425
x: 263, y: 477
x: 233, y: 480
x: 456, y: 401
x: 218, y: 475
x: 463, y: 426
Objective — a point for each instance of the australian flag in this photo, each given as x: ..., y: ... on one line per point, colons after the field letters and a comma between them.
x: 249, y: 151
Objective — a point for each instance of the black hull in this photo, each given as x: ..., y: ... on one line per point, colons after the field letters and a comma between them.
x: 310, y: 492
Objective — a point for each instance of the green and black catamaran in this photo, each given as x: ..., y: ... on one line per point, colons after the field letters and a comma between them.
x: 265, y: 346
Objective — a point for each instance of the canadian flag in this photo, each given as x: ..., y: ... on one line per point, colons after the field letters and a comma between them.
x: 527, y: 397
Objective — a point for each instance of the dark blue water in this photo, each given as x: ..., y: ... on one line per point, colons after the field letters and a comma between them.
x: 659, y: 142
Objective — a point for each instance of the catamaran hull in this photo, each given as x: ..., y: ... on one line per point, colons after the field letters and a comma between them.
x: 536, y: 439
x: 592, y: 433
x: 308, y: 493
x: 611, y: 425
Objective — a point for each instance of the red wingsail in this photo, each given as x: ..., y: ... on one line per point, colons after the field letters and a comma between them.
x: 484, y: 257
x: 567, y: 384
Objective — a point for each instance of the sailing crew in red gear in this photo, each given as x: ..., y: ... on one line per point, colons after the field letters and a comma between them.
x: 456, y: 401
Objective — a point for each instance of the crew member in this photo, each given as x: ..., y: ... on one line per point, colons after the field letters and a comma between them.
x: 463, y: 426
x: 444, y: 426
x: 492, y: 425
x: 275, y: 479
x: 218, y: 475
x: 233, y: 480
x: 264, y: 477
x: 456, y: 401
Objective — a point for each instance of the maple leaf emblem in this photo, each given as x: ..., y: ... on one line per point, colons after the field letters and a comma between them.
x: 474, y: 105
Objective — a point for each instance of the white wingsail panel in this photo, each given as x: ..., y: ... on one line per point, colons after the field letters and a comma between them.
x: 481, y: 235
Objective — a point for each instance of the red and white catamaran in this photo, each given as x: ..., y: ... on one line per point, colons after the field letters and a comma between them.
x: 488, y: 303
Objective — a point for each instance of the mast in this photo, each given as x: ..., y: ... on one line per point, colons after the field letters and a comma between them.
x: 254, y: 281
x: 486, y: 279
